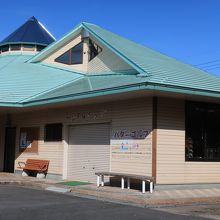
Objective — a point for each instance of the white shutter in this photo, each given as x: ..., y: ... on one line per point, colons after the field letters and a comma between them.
x: 89, y: 151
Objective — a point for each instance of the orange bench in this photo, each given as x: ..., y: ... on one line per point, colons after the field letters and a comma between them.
x: 34, y: 165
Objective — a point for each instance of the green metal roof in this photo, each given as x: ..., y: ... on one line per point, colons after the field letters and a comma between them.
x: 25, y: 80
x: 20, y: 80
x: 160, y: 68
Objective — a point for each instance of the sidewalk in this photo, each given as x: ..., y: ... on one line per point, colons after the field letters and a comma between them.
x: 11, y: 178
x: 157, y: 198
x: 163, y: 195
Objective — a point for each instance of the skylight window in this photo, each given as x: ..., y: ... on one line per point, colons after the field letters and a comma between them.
x: 72, y: 56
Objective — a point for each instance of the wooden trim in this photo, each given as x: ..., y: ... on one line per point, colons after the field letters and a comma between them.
x: 154, y: 138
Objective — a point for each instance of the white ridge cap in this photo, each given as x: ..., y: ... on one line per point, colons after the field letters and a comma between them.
x: 46, y: 30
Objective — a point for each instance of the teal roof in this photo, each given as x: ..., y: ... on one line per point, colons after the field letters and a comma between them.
x: 160, y: 68
x: 20, y: 80
x: 25, y: 80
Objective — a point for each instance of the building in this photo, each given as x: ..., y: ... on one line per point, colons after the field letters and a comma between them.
x: 95, y: 101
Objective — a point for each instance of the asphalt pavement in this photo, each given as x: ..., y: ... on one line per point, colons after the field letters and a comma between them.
x: 32, y: 204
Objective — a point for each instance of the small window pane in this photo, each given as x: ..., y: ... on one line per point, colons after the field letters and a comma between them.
x: 72, y: 56
x: 28, y: 47
x: 64, y: 58
x: 53, y: 132
x: 5, y: 48
x: 77, y: 54
x: 15, y: 47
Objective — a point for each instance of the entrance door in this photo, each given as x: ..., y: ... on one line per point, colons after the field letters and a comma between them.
x: 9, y: 156
x: 89, y: 151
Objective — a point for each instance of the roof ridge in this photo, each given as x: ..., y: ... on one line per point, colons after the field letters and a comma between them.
x: 49, y: 90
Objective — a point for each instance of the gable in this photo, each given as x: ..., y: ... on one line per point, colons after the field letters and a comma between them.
x: 104, y: 61
x: 51, y: 59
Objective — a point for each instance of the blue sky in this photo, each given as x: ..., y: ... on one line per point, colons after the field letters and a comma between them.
x: 185, y: 29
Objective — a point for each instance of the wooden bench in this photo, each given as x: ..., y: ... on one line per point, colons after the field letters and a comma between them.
x: 34, y: 165
x: 123, y: 176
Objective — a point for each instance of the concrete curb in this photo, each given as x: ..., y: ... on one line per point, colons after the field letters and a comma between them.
x: 117, y: 198
x: 26, y: 183
x: 144, y: 202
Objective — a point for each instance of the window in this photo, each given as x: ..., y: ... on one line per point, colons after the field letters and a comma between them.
x: 72, y: 56
x: 202, y: 132
x: 53, y: 132
x: 76, y: 54
x: 94, y: 50
x: 15, y: 47
x: 64, y: 58
x: 28, y: 47
x: 5, y: 48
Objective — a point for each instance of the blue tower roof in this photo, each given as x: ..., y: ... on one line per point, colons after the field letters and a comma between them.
x: 31, y: 32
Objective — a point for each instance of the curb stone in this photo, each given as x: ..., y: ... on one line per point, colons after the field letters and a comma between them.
x: 145, y: 202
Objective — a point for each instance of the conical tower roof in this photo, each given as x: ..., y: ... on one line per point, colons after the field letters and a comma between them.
x: 31, y: 32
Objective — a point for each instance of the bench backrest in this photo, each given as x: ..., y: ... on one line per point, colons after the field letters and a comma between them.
x: 37, y: 164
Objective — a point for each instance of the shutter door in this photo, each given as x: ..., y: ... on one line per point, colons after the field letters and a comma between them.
x: 89, y: 151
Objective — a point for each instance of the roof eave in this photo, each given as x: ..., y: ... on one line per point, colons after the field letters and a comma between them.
x: 30, y: 43
x: 117, y: 90
x: 130, y: 88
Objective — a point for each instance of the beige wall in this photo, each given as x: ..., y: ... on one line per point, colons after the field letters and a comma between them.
x: 127, y: 116
x: 171, y: 165
x: 52, y: 151
x: 131, y: 117
x: 128, y: 153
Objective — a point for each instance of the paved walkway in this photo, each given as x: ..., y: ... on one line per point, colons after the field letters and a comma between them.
x: 164, y: 195
x: 159, y: 197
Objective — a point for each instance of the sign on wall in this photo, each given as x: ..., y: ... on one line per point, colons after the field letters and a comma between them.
x: 130, y: 144
x: 87, y: 116
x: 131, y: 134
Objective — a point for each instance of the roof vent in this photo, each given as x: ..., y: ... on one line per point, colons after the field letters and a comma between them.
x: 85, y: 34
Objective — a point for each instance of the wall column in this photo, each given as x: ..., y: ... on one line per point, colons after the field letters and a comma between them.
x: 154, y: 137
x: 65, y: 150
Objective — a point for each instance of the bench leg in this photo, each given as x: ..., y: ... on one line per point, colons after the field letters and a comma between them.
x: 122, y: 183
x: 151, y: 187
x: 128, y: 183
x: 98, y: 181
x: 102, y: 180
x: 143, y: 186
